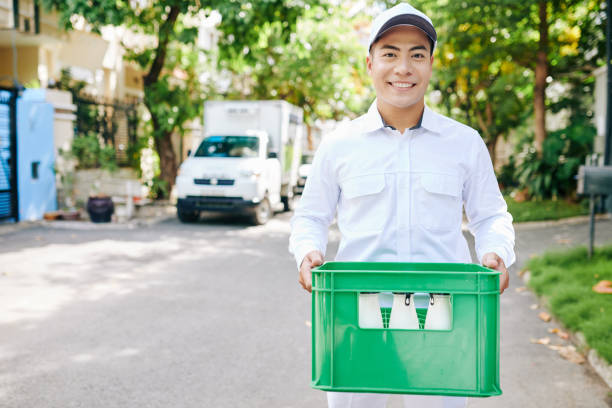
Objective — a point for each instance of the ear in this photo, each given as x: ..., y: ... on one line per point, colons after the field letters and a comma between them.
x: 432, y: 60
x: 369, y: 63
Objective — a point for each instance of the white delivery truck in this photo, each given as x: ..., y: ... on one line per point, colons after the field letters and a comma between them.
x: 247, y: 161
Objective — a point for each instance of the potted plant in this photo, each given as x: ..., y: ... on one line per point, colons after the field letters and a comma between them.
x: 100, y: 208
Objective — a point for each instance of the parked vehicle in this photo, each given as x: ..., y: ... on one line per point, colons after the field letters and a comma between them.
x: 247, y: 162
x: 304, y: 171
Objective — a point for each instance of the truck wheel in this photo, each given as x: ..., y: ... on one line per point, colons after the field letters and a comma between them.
x: 288, y: 203
x: 262, y: 213
x: 187, y: 217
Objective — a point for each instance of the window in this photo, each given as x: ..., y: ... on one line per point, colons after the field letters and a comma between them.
x: 228, y: 146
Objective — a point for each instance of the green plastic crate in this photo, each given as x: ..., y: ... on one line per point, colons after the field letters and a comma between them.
x: 463, y: 361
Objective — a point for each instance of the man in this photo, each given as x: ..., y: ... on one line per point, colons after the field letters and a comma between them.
x: 398, y: 177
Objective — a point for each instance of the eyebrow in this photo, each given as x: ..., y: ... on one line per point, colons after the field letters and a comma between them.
x: 393, y: 47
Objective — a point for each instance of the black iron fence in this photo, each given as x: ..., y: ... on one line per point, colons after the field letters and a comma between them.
x: 114, y: 121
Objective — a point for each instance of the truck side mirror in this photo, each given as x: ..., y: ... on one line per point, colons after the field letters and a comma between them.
x: 272, y: 155
x: 188, y: 152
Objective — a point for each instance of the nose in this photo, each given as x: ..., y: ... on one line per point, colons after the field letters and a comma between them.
x: 403, y: 66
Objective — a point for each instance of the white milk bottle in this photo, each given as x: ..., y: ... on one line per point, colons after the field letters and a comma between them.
x: 403, y: 313
x: 369, y: 311
x: 439, y: 312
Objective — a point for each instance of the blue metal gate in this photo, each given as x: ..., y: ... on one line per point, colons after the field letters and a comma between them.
x: 8, y: 154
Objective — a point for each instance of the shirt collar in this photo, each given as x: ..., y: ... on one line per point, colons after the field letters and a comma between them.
x: 430, y: 121
x: 373, y: 121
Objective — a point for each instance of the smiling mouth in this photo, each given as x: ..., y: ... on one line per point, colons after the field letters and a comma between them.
x: 402, y: 85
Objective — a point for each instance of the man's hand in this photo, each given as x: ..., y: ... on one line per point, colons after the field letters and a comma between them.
x: 493, y: 261
x: 311, y: 260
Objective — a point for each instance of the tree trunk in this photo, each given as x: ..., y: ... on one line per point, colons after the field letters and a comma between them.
x: 163, y: 145
x: 162, y: 138
x: 541, y: 72
x: 491, y: 143
x: 167, y: 158
x: 309, y: 137
x: 490, y: 138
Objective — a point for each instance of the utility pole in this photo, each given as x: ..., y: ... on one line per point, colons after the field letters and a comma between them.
x: 608, y: 141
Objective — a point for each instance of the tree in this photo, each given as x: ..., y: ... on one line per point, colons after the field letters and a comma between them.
x: 474, y: 74
x: 561, y: 48
x: 493, y: 48
x: 173, y: 51
x: 321, y: 68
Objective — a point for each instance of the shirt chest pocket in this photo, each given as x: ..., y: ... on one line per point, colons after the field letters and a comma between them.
x: 364, y: 204
x: 438, y: 202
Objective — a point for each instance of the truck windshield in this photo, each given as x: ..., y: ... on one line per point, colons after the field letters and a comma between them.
x: 228, y: 146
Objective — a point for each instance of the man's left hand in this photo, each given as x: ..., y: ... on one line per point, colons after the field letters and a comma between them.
x: 493, y: 261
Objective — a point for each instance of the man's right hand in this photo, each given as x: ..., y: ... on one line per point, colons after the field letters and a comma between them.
x: 311, y: 260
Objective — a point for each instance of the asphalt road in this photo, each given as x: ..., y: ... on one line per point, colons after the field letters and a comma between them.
x: 210, y: 315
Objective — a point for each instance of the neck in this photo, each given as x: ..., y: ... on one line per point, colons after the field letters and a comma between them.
x: 401, y: 118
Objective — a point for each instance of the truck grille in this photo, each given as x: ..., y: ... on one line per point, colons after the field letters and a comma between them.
x: 208, y: 182
x: 215, y: 202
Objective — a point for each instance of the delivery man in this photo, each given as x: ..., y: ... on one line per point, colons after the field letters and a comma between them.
x: 398, y: 178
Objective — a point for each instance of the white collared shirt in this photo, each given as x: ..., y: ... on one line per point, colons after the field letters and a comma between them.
x: 399, y: 197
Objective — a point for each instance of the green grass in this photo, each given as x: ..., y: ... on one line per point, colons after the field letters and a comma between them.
x: 545, y: 209
x: 566, y: 279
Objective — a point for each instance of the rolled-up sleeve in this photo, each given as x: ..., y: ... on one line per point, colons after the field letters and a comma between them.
x: 487, y: 212
x: 317, y: 207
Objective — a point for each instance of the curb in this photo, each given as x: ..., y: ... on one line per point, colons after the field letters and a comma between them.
x: 601, y: 366
x: 125, y: 225
x: 581, y: 219
x: 563, y: 221
x: 161, y: 213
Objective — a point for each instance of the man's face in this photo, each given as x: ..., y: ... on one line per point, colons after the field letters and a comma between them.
x: 400, y: 65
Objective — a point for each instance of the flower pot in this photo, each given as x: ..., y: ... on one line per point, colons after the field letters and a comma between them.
x: 100, y: 209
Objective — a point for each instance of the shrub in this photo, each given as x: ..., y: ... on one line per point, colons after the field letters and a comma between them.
x: 552, y: 174
x: 90, y: 154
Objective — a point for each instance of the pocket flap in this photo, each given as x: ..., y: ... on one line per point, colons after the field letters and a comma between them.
x: 441, y: 184
x: 364, y: 185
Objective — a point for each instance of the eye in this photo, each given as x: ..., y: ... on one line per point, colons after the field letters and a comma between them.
x: 389, y: 54
x: 418, y: 55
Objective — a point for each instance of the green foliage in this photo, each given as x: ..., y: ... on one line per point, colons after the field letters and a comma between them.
x: 506, y: 176
x: 292, y: 70
x: 552, y: 175
x: 158, y: 188
x: 474, y: 75
x: 171, y: 62
x: 541, y: 210
x: 86, y: 148
x: 566, y: 280
x: 107, y: 158
x: 134, y: 152
x: 246, y: 25
x: 90, y: 153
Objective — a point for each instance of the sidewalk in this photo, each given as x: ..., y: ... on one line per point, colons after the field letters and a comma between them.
x: 532, y: 375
